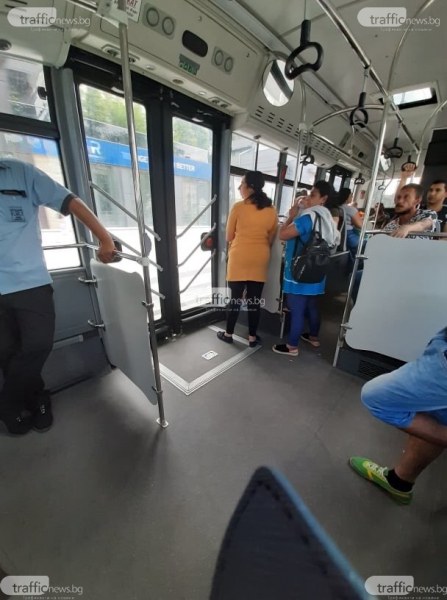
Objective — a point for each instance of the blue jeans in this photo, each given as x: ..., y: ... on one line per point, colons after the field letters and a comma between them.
x: 302, y: 307
x: 352, y: 242
x: 417, y: 387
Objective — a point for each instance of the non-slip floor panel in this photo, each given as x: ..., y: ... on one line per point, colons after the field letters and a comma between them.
x: 108, y: 501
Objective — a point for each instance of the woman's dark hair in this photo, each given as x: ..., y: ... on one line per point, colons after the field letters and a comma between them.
x: 256, y: 181
x: 325, y: 189
x: 343, y: 195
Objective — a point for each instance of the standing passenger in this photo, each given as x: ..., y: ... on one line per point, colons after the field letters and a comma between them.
x: 251, y: 229
x: 26, y: 294
x: 352, y: 220
x: 302, y: 297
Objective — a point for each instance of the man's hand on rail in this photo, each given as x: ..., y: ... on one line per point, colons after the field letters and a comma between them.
x: 106, y: 252
x: 402, y: 231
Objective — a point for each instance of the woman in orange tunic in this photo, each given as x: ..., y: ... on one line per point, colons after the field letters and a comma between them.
x: 251, y: 229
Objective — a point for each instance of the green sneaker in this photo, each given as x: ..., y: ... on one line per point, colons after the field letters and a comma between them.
x: 377, y: 474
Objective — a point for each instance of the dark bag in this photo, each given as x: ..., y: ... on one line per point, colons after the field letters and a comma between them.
x: 312, y: 264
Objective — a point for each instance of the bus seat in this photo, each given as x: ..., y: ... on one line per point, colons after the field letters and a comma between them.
x: 274, y: 548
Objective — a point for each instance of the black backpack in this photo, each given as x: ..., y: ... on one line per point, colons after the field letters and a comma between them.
x: 312, y: 264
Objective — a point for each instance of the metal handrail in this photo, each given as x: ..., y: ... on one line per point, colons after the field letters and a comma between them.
x: 413, y: 233
x: 137, y: 258
x: 153, y: 263
x: 127, y: 212
x: 198, y: 272
x: 213, y: 200
x: 198, y: 245
x: 335, y: 17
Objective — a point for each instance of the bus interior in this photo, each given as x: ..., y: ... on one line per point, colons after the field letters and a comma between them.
x: 152, y: 115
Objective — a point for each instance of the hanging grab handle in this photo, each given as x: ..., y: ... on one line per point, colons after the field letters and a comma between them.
x: 291, y: 70
x: 308, y: 157
x: 359, y: 116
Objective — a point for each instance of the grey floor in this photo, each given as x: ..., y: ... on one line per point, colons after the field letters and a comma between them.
x: 109, y: 502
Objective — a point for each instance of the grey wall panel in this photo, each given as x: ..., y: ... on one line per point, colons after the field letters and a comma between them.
x: 72, y: 363
x: 73, y: 304
x: 402, y: 297
x: 126, y: 335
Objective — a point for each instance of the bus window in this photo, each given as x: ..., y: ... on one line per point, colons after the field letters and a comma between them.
x: 19, y: 89
x: 286, y: 200
x: 268, y: 159
x: 56, y: 229
x: 107, y: 140
x: 243, y: 152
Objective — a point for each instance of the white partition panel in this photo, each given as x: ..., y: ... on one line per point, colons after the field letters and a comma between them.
x: 402, y: 301
x: 126, y: 336
x: 272, y: 287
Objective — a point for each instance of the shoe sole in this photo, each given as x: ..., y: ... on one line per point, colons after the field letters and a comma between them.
x: 284, y: 353
x: 403, y: 501
x: 42, y: 430
x: 311, y: 342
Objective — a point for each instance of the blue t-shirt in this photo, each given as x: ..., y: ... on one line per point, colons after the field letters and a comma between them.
x: 23, y: 188
x: 290, y: 286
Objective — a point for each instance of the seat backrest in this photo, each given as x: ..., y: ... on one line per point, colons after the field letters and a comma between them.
x: 274, y: 548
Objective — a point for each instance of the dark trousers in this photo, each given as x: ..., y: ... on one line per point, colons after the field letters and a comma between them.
x: 26, y: 339
x: 253, y: 299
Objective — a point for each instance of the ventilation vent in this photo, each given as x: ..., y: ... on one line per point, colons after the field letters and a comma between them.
x: 270, y: 118
x: 370, y: 370
x: 289, y: 127
x: 259, y: 112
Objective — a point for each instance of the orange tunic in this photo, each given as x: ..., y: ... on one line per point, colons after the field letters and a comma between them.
x: 249, y: 253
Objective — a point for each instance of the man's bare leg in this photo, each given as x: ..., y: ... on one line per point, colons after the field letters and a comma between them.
x: 416, y: 456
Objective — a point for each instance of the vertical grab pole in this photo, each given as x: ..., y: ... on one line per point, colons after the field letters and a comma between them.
x: 302, y: 127
x: 369, y: 201
x: 128, y: 97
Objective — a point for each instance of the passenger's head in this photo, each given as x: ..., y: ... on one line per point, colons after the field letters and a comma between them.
x: 344, y: 196
x: 408, y: 199
x: 251, y: 189
x: 321, y: 193
x: 436, y: 192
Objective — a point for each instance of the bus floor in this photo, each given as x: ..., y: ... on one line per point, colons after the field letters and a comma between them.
x: 108, y: 502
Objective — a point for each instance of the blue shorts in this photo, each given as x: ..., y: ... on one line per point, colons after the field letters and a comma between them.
x: 417, y: 387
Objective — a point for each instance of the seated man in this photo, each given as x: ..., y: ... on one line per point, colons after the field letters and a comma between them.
x: 409, y: 218
x: 413, y: 399
x: 436, y: 200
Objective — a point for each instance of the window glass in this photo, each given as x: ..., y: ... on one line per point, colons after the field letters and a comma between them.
x: 107, y: 140
x: 56, y: 229
x: 268, y: 160
x: 243, y: 152
x: 235, y: 182
x: 337, y: 183
x: 193, y: 159
x: 22, y: 86
x: 286, y: 200
x: 307, y: 172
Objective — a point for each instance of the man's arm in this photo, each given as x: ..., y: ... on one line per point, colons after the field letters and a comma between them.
x: 404, y: 230
x: 82, y: 212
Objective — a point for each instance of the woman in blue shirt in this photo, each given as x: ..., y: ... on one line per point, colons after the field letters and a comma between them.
x: 302, y: 297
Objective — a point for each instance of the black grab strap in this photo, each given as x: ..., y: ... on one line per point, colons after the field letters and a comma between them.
x: 292, y: 70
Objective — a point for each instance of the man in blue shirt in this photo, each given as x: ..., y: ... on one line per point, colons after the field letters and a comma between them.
x: 26, y: 295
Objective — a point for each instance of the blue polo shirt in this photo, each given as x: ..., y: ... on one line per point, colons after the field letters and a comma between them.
x: 23, y: 188
x: 303, y: 226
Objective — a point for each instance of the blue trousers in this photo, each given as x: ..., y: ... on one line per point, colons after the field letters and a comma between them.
x: 302, y: 308
x: 417, y: 387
